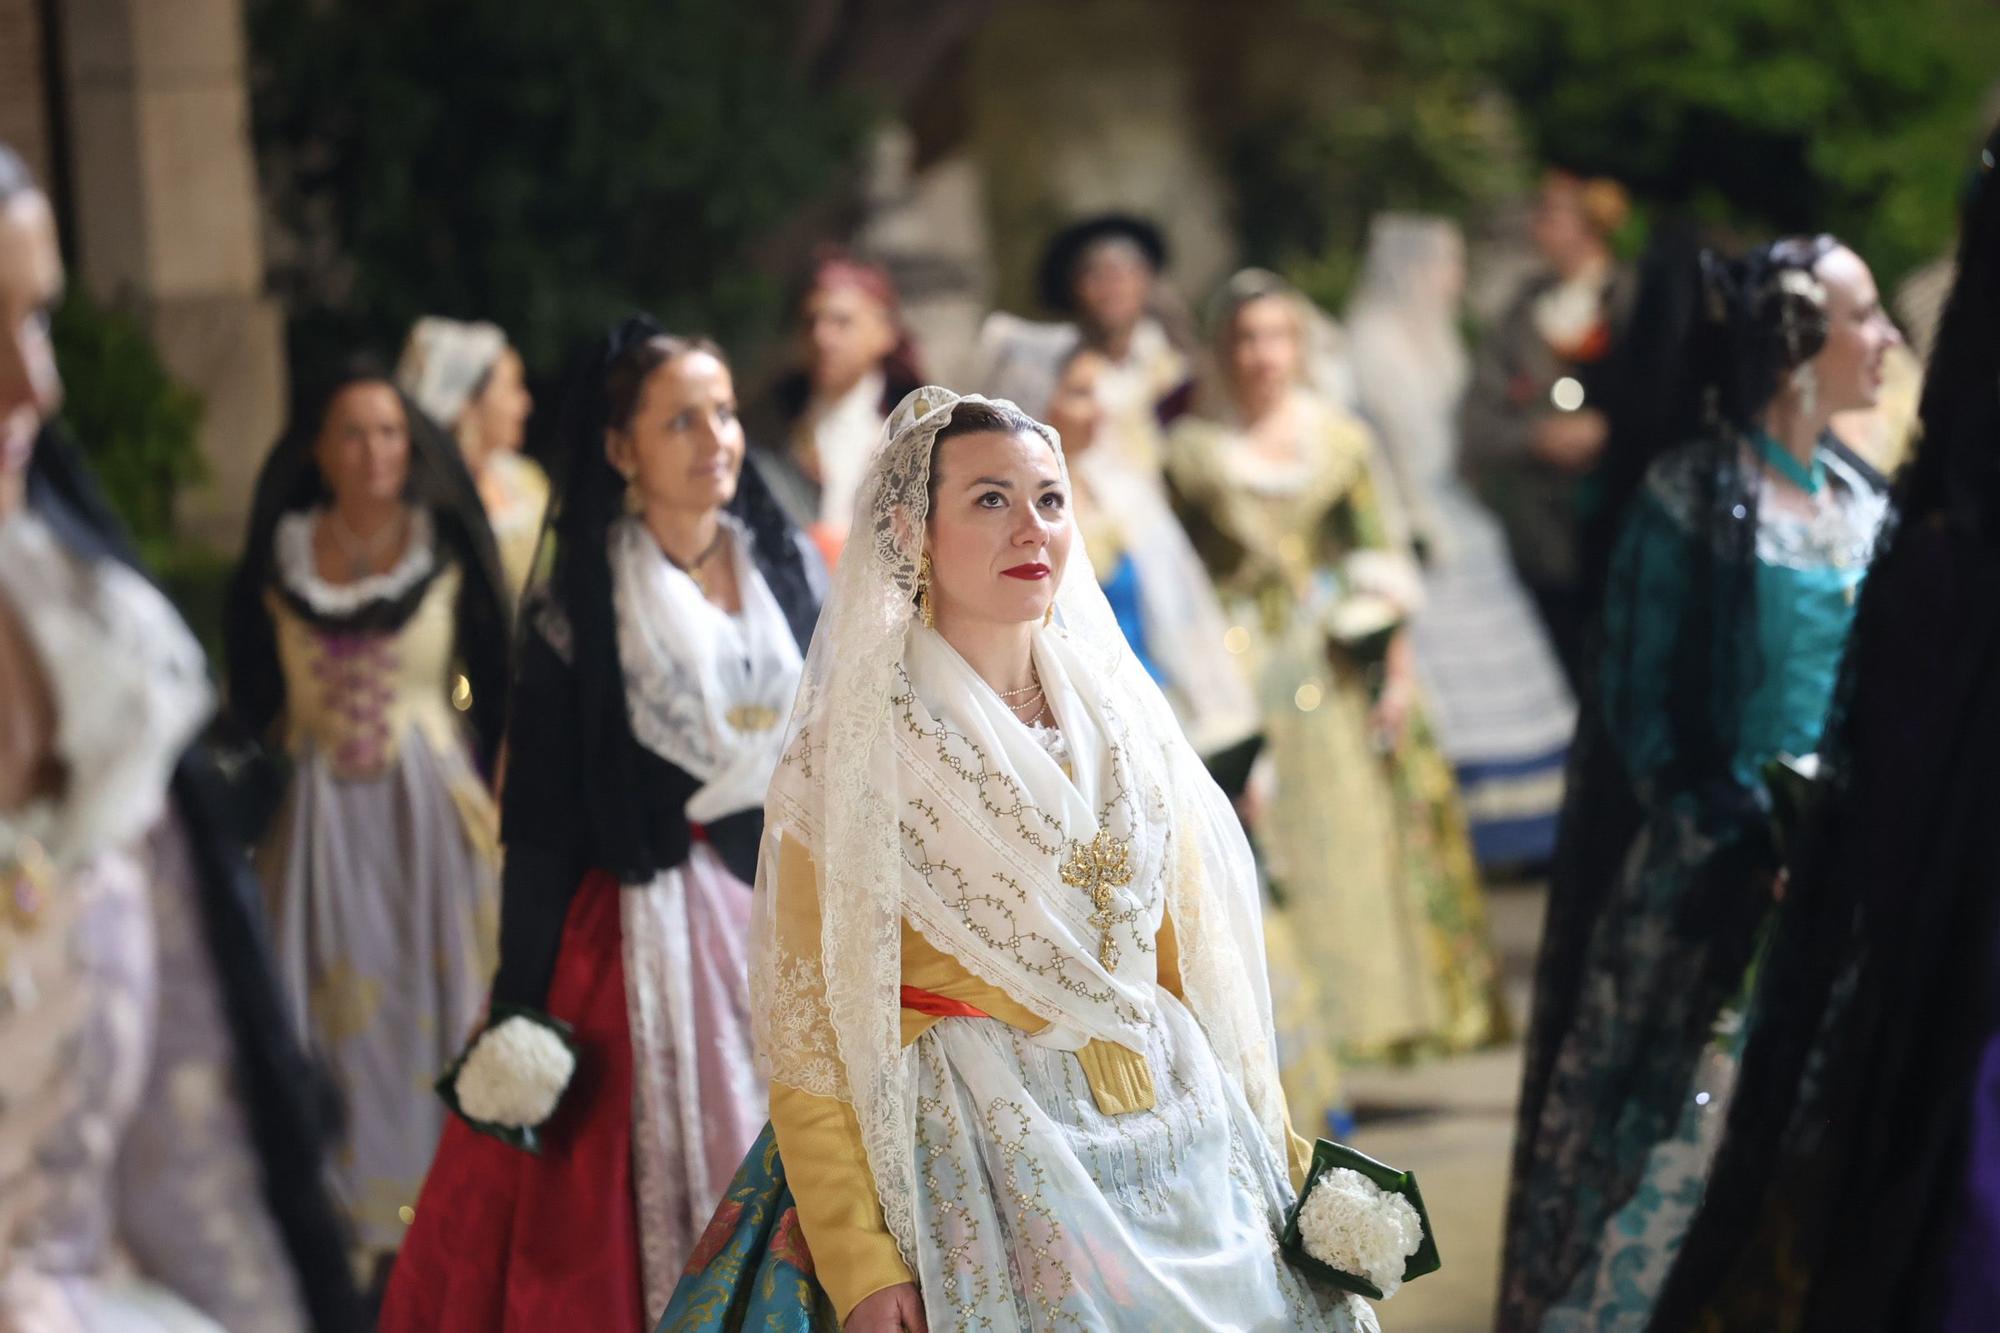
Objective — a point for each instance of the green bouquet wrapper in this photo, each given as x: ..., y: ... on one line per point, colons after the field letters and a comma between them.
x: 1331, y: 1156
x: 524, y: 1137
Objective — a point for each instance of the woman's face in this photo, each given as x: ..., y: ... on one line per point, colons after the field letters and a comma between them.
x: 1074, y: 411
x: 31, y: 279
x: 847, y: 333
x: 1559, y: 227
x: 363, y: 448
x: 1447, y: 272
x: 684, y: 446
x: 1264, y: 352
x: 1113, y: 283
x: 999, y: 532
x: 1848, y: 370
x: 499, y: 415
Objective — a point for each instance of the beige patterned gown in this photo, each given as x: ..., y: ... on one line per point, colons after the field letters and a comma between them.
x: 1368, y: 849
x: 382, y: 873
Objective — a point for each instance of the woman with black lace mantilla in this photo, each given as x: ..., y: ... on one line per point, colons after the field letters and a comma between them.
x: 367, y: 649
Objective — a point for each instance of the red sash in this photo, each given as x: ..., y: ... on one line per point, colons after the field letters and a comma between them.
x: 937, y: 1006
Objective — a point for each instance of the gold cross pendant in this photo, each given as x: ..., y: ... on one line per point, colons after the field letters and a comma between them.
x: 1097, y: 867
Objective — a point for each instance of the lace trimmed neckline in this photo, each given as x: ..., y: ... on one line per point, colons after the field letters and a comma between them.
x: 297, y: 570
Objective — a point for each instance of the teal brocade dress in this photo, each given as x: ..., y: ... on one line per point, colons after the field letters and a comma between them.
x: 1807, y: 576
x: 751, y: 1268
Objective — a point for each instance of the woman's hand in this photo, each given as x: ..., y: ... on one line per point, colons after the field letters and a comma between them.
x: 1391, y: 714
x: 1571, y: 441
x: 890, y: 1310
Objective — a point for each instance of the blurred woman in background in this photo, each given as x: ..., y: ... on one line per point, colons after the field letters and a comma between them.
x: 367, y: 641
x: 1150, y: 573
x: 1534, y: 428
x: 855, y: 362
x: 1731, y: 591
x: 1501, y: 704
x: 160, y: 1145
x: 1364, y: 834
x: 1103, y: 275
x: 468, y: 380
x: 1857, y: 1186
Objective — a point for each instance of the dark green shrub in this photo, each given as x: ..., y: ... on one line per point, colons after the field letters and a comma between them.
x: 138, y: 425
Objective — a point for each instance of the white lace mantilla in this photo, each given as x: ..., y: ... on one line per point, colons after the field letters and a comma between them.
x: 299, y: 571
x: 131, y: 690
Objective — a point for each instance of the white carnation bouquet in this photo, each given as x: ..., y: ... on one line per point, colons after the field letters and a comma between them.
x: 512, y: 1075
x: 1359, y: 1224
x: 1351, y: 1223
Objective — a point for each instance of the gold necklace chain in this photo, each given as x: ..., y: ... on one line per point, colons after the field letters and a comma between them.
x: 693, y: 568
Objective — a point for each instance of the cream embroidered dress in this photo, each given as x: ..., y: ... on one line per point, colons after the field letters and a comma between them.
x: 381, y: 865
x: 1369, y: 847
x: 1105, y: 1145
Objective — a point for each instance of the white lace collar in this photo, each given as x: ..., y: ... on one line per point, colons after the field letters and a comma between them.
x: 131, y: 691
x: 708, y: 692
x: 299, y: 572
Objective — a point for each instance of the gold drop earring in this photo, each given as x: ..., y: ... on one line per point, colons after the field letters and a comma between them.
x: 1049, y: 616
x: 924, y: 608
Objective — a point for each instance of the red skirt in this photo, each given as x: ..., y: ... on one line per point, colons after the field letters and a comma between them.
x: 508, y: 1242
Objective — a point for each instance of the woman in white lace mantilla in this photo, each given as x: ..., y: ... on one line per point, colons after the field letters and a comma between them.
x: 1009, y: 974
x: 469, y: 380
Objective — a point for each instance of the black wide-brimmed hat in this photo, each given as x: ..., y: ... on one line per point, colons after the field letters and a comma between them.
x: 1066, y: 248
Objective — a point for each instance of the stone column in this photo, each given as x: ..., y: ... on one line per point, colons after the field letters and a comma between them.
x: 24, y: 122
x: 167, y: 219
x: 929, y: 229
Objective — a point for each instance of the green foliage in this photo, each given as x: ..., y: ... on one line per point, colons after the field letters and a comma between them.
x: 138, y: 425
x: 1414, y: 126
x: 1756, y: 116
x: 547, y: 166
x: 1850, y: 116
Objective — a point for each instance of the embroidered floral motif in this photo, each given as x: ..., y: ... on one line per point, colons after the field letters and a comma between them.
x: 721, y: 1230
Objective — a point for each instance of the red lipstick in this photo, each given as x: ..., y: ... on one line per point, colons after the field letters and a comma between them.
x: 1027, y: 572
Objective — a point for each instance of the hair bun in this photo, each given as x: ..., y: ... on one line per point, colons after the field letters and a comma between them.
x: 1787, y: 310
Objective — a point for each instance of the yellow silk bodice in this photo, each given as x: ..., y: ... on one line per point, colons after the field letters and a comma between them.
x: 353, y: 697
x: 819, y: 1137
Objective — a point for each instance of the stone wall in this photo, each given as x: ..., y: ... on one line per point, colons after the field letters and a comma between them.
x: 1068, y: 107
x: 24, y: 124
x: 23, y: 91
x: 164, y: 192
